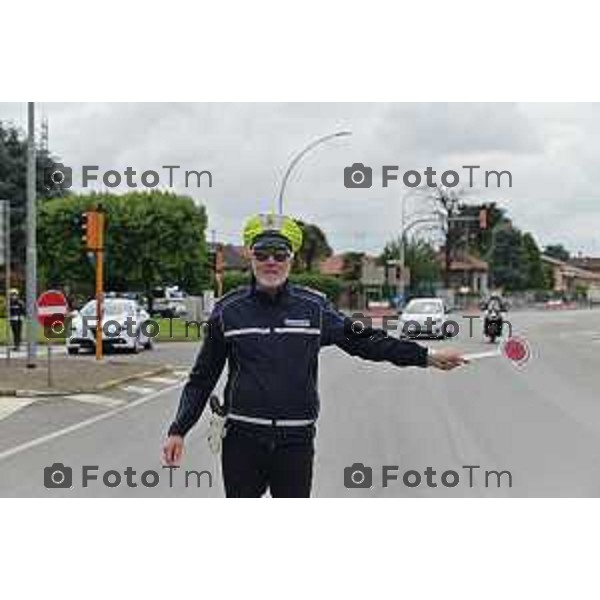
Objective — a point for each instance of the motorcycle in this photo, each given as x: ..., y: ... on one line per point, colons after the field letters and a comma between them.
x: 492, y: 324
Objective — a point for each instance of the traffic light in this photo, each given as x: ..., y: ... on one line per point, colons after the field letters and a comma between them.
x: 483, y: 218
x: 92, y: 228
x: 85, y: 224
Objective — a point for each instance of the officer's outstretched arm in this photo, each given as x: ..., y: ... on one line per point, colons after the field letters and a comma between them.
x: 370, y: 343
x: 204, y: 376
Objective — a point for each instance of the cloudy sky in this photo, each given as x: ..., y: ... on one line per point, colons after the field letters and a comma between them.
x: 552, y: 151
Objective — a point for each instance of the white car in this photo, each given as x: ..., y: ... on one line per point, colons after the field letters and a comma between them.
x: 418, y: 311
x: 169, y: 302
x: 122, y: 326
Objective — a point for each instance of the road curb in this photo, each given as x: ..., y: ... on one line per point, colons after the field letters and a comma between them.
x: 22, y: 393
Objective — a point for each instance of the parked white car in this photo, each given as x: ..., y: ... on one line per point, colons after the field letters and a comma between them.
x: 122, y: 323
x: 169, y: 302
x: 419, y: 310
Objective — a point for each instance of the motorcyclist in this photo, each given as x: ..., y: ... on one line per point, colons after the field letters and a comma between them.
x: 270, y: 333
x: 494, y: 307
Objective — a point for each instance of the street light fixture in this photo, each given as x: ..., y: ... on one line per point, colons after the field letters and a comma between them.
x: 299, y: 157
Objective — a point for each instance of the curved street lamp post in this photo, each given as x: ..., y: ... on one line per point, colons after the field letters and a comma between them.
x: 299, y: 157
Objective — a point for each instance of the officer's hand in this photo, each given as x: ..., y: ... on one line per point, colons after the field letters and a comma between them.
x: 446, y: 359
x: 172, y: 450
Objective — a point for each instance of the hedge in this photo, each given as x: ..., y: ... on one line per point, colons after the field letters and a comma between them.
x: 330, y: 286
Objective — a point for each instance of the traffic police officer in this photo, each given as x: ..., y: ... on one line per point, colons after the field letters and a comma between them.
x: 270, y: 333
x: 16, y: 313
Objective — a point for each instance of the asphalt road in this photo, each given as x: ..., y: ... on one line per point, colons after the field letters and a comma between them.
x: 540, y: 422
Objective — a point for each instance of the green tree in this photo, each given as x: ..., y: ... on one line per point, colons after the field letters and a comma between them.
x: 533, y: 263
x: 513, y: 257
x: 152, y: 238
x: 548, y: 276
x: 13, y: 185
x: 352, y: 265
x: 515, y: 261
x: 330, y: 286
x: 557, y: 251
x: 315, y: 248
x: 508, y: 260
x: 420, y: 257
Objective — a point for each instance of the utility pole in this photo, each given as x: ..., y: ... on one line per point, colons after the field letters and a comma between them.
x: 5, y: 249
x: 31, y: 251
x: 402, y: 250
x: 92, y: 229
x: 99, y: 281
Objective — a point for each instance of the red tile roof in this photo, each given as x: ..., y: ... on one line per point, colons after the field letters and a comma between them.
x: 334, y: 265
x: 465, y: 262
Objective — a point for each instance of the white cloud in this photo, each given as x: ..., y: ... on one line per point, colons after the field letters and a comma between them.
x: 551, y: 150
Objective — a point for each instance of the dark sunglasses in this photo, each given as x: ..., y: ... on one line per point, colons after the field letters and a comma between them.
x: 279, y: 254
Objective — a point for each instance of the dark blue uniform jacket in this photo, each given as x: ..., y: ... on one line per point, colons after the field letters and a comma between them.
x: 272, y: 347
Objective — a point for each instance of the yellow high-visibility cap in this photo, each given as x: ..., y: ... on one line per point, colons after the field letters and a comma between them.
x: 273, y: 224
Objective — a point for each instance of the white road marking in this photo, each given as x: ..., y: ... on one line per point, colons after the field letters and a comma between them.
x: 137, y: 389
x: 86, y: 423
x: 167, y: 380
x: 10, y: 405
x: 96, y: 399
x: 181, y: 373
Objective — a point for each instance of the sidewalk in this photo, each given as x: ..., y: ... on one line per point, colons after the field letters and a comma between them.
x: 42, y: 352
x: 71, y: 375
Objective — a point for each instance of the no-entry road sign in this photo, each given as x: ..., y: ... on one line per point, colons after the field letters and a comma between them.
x: 52, y: 309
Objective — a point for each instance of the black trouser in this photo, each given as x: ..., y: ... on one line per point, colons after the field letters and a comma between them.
x: 16, y: 328
x: 260, y: 457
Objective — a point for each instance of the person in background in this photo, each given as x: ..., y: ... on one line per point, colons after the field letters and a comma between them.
x: 16, y: 316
